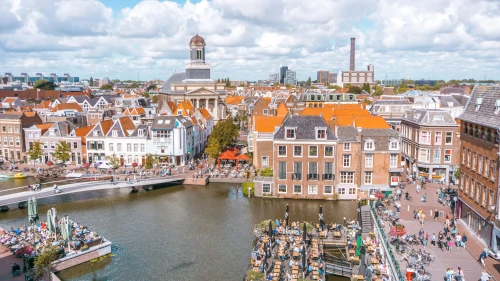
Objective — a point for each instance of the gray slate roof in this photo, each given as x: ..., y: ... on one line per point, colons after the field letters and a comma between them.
x: 485, y: 114
x: 347, y: 133
x: 141, y: 127
x: 429, y: 117
x: 453, y: 90
x: 175, y: 78
x: 10, y: 116
x: 169, y: 122
x: 60, y: 129
x: 305, y: 128
x: 449, y: 101
x: 381, y: 137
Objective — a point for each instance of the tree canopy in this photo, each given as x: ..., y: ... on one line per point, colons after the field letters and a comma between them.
x: 44, y: 85
x: 114, y: 161
x: 91, y: 81
x: 107, y: 87
x: 133, y: 85
x: 354, y: 89
x: 308, y: 82
x: 366, y: 87
x: 151, y: 161
x: 224, y: 134
x: 35, y: 151
x: 62, y: 152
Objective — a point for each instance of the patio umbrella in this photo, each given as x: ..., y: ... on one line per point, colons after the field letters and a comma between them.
x: 50, y: 226
x: 320, y: 213
x: 271, y: 228
x: 304, y: 232
x: 54, y: 219
x: 35, y: 209
x: 358, y: 246
x: 286, y: 215
x: 304, y: 260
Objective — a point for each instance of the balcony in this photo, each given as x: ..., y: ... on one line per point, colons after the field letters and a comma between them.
x: 328, y: 177
x: 297, y: 176
x: 313, y: 177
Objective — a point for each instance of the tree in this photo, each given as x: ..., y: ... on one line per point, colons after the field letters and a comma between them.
x: 107, y: 87
x: 114, y: 161
x: 35, y: 151
x: 43, y: 262
x: 378, y: 91
x: 354, y: 89
x: 151, y: 87
x: 241, y: 117
x: 308, y: 82
x: 133, y: 85
x: 228, y: 83
x: 223, y: 135
x: 246, y: 187
x: 151, y: 161
x: 154, y: 99
x: 336, y: 87
x: 62, y: 153
x: 275, y: 84
x: 91, y: 81
x: 366, y: 87
x: 44, y: 85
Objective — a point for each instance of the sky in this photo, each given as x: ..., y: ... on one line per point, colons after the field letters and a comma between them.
x: 248, y: 40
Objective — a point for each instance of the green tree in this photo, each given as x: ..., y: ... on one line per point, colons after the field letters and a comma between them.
x: 378, y: 91
x: 255, y: 276
x: 62, y: 153
x: 133, y: 85
x: 336, y: 87
x: 354, y: 89
x: 114, y: 161
x: 228, y: 83
x: 91, y: 81
x: 266, y: 172
x: 44, y: 85
x: 241, y: 117
x: 151, y: 161
x: 275, y: 84
x: 43, y: 261
x: 35, y: 151
x: 107, y: 87
x: 308, y: 82
x: 223, y: 135
x: 151, y: 87
x: 366, y: 87
x: 154, y: 99
x: 248, y: 187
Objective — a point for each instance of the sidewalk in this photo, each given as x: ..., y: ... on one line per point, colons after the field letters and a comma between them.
x: 468, y: 261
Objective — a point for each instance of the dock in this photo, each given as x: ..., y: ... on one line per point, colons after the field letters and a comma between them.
x: 21, y: 198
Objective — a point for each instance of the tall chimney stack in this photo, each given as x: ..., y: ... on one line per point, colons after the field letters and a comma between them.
x: 353, y: 53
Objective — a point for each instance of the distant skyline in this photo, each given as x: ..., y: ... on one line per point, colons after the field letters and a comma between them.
x: 248, y: 40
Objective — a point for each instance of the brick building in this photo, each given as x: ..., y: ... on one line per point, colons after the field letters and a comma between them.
x: 429, y: 141
x: 12, y: 134
x: 478, y: 197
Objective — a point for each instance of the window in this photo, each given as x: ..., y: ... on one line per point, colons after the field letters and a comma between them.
x: 321, y: 134
x: 480, y: 170
x: 328, y: 151
x: 281, y: 170
x: 369, y: 145
x: 368, y: 177
x: 328, y: 171
x: 45, y: 144
x: 468, y: 158
x: 52, y: 144
x: 346, y: 177
x: 37, y: 135
x: 111, y: 147
x: 10, y: 129
x: 467, y: 181
x: 265, y: 111
x: 17, y: 141
x: 462, y: 181
x: 282, y: 150
x: 437, y: 156
x: 312, y: 189
x: 198, y: 54
x: 347, y: 146
x: 16, y: 129
x: 464, y: 153
x: 492, y: 196
x: 266, y: 188
x: 424, y: 155
x: 265, y: 161
x: 290, y: 133
x: 346, y: 160
x: 313, y: 151
x: 114, y: 133
x: 30, y: 135
x: 352, y: 190
x: 297, y: 189
x: 394, y: 145
x: 474, y: 162
x: 297, y: 170
x: 313, y: 171
x: 4, y: 129
x: 487, y: 167
x: 136, y: 147
x: 143, y: 147
x: 478, y: 192
x: 118, y: 147
x: 393, y: 161
x: 449, y: 138
x: 95, y: 133
x: 368, y: 161
x: 341, y: 190
x: 425, y: 137
x: 75, y: 145
x: 438, y: 138
x: 297, y: 151
x: 485, y: 195
x: 327, y: 189
x: 493, y: 171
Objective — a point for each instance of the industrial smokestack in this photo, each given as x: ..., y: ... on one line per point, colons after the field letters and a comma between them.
x: 353, y: 53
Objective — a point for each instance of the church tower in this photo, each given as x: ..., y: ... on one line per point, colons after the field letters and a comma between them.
x: 197, y: 68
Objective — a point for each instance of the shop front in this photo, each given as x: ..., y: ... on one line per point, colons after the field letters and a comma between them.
x: 395, y: 177
x: 481, y: 227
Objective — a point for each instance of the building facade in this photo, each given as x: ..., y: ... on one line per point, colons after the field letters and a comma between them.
x: 12, y: 145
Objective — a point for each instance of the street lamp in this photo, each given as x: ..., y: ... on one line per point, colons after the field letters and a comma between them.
x: 455, y: 199
x: 249, y: 191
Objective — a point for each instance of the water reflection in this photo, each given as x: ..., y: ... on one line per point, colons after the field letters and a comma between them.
x: 176, y: 233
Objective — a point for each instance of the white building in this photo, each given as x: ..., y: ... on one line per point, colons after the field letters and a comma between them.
x: 173, y: 139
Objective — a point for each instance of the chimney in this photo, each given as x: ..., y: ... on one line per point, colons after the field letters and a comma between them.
x: 353, y: 52
x: 67, y: 130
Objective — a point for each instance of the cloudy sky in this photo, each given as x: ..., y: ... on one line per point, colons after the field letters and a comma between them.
x: 251, y: 39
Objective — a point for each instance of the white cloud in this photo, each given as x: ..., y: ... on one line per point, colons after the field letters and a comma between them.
x: 250, y: 39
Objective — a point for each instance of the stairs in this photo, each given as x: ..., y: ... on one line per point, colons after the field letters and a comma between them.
x: 366, y: 220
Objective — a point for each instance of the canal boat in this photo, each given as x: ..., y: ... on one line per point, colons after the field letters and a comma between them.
x: 13, y: 176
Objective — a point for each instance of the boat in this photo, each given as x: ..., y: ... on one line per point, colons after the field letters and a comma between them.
x: 13, y: 176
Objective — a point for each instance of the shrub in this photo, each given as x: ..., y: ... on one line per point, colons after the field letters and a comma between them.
x: 255, y: 276
x: 266, y: 172
x: 246, y: 185
x: 335, y: 196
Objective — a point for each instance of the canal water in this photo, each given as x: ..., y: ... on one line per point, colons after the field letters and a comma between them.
x: 174, y: 233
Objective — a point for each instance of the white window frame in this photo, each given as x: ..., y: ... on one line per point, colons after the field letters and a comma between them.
x: 309, y: 151
x: 301, y: 151
x: 427, y: 155
x: 324, y: 189
x: 265, y: 111
x: 393, y: 161
x: 370, y: 145
x: 348, y: 158
x: 436, y: 134
x: 369, y: 164
x: 426, y: 139
x: 394, y: 145
x: 333, y: 151
x: 347, y: 177
x: 294, y: 133
x: 266, y: 165
x: 451, y: 138
x: 352, y: 190
x: 264, y: 185
x: 317, y: 132
x: 341, y: 190
x: 312, y: 189
x: 294, y: 189
x: 434, y: 156
x: 279, y: 155
x: 451, y: 155
x: 281, y: 185
x: 368, y: 175
x: 347, y: 146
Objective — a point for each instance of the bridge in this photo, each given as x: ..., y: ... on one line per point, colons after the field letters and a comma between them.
x: 21, y: 198
x: 337, y: 266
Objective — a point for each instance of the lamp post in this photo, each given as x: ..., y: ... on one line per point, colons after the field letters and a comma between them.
x: 455, y: 199
x: 249, y: 191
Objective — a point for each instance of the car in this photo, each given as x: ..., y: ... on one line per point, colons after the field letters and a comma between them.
x: 104, y: 165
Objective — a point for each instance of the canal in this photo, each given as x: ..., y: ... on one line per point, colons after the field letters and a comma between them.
x: 174, y: 233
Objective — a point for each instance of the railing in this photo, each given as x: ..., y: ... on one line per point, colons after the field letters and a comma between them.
x: 328, y: 177
x: 393, y: 265
x: 312, y: 176
x: 263, y: 179
x: 297, y: 176
x: 337, y: 266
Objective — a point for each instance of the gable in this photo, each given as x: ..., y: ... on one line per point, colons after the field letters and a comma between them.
x: 118, y: 128
x: 202, y: 92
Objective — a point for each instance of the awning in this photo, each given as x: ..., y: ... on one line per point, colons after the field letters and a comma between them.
x: 396, y: 171
x: 381, y: 187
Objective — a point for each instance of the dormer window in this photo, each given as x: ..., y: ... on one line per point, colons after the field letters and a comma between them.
x: 179, y: 112
x: 369, y: 145
x: 393, y: 145
x: 114, y: 133
x: 321, y: 133
x: 479, y: 101
x: 290, y: 133
x: 141, y: 132
x: 497, y: 106
x: 416, y: 116
x: 51, y: 132
x: 96, y: 133
x: 438, y: 118
x: 265, y: 111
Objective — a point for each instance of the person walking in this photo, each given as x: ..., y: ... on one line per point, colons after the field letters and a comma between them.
x: 485, y: 276
x: 424, y: 199
x: 433, y: 240
x: 464, y: 240
x: 422, y: 219
x: 449, y: 240
x: 447, y: 220
x: 460, y: 274
x: 436, y: 214
x: 458, y: 240
x: 482, y: 257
